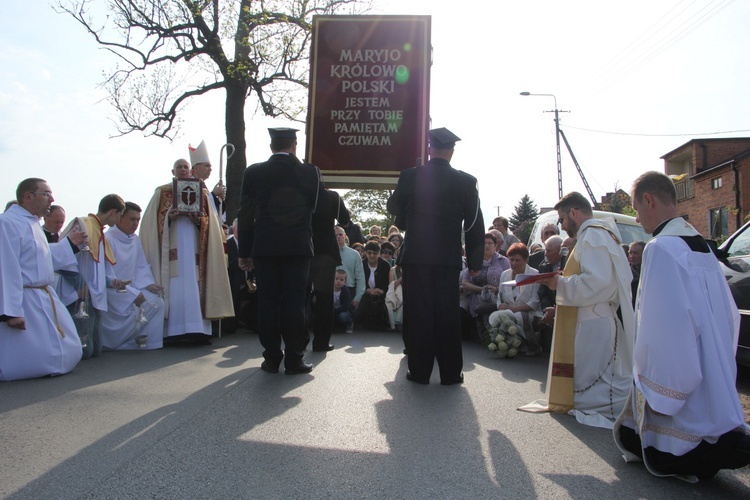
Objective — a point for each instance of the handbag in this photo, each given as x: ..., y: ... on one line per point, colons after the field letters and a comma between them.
x: 487, y: 302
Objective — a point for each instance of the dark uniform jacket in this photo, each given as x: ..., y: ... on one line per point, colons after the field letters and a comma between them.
x: 330, y: 208
x: 277, y: 201
x: 436, y: 199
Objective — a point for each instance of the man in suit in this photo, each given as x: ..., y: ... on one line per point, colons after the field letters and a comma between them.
x: 554, y: 261
x: 277, y: 202
x: 426, y: 197
x: 536, y: 258
x: 330, y: 209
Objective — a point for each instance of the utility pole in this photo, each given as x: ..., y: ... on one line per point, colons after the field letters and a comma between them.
x: 557, y: 138
x: 498, y: 209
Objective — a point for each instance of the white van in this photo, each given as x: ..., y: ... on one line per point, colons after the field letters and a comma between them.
x: 629, y: 229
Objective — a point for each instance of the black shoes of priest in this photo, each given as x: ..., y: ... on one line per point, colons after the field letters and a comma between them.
x: 327, y: 348
x: 268, y: 367
x: 301, y: 367
x: 425, y: 381
x: 457, y: 380
x: 418, y: 380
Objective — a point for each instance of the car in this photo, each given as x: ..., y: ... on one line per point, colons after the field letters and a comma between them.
x: 734, y: 258
x: 630, y: 230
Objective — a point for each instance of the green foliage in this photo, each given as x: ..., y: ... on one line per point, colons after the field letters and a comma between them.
x: 522, y: 220
x: 618, y: 203
x: 368, y: 207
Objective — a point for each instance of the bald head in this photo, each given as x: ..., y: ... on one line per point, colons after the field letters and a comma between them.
x: 55, y: 220
x: 552, y: 248
x: 181, y: 169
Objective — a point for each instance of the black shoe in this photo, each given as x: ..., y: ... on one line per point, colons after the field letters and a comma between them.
x: 412, y: 378
x: 301, y: 367
x: 457, y: 380
x: 327, y: 348
x: 268, y: 367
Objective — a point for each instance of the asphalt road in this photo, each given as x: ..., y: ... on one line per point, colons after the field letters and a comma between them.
x: 206, y: 422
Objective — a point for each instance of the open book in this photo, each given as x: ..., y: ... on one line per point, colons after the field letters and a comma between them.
x: 527, y: 279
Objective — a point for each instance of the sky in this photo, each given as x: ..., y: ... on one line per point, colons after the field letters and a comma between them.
x: 639, y: 79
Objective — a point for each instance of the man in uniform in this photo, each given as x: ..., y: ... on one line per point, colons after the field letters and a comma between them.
x: 122, y: 326
x: 275, y: 239
x: 592, y: 350
x: 186, y: 254
x: 330, y: 208
x: 432, y: 196
x: 37, y: 334
x: 683, y: 415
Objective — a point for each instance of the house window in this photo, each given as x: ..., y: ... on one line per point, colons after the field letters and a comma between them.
x: 716, y: 183
x: 717, y: 222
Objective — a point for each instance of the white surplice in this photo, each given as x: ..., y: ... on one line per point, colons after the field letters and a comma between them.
x: 95, y: 273
x: 118, y: 326
x: 50, y: 343
x: 687, y: 326
x: 603, y: 345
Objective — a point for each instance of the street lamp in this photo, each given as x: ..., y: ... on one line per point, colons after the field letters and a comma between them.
x: 557, y: 138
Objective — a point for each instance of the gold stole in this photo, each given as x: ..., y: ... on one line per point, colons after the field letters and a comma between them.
x: 95, y: 231
x: 562, y: 360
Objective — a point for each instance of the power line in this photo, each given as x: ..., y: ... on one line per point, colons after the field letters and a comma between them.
x: 658, y: 46
x: 654, y: 135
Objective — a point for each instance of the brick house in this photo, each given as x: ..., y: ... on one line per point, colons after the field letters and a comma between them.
x: 712, y: 178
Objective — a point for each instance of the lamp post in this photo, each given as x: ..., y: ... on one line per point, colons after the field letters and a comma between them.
x: 557, y: 139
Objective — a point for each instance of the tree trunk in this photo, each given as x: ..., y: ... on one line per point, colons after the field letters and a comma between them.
x: 235, y: 128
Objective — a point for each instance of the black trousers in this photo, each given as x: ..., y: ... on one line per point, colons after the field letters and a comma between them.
x: 282, y: 287
x: 322, y: 274
x: 731, y: 451
x: 432, y: 320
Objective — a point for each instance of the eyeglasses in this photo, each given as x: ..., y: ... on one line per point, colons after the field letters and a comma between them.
x: 48, y: 194
x: 386, y: 252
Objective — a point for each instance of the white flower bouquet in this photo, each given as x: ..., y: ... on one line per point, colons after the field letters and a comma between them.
x: 502, y: 335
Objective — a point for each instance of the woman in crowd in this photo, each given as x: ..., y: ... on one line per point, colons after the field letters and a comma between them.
x: 360, y: 248
x: 482, y: 289
x: 521, y: 301
x: 386, y: 253
x: 394, y: 299
x: 396, y: 240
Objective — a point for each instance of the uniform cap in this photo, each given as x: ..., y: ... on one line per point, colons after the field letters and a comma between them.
x: 442, y: 138
x: 283, y: 133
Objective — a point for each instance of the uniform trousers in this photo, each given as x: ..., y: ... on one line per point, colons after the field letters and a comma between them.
x: 282, y: 289
x: 432, y: 320
x: 322, y: 274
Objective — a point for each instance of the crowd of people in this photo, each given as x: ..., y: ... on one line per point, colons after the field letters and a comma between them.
x: 641, y: 342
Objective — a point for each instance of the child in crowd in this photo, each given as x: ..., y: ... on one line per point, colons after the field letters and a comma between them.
x: 342, y: 302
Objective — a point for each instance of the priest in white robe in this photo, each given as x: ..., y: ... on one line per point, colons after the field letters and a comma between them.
x: 591, y: 360
x: 135, y: 315
x: 186, y: 255
x: 37, y: 334
x: 95, y: 270
x: 683, y: 417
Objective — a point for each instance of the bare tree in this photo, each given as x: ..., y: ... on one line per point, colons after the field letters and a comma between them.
x: 171, y: 51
